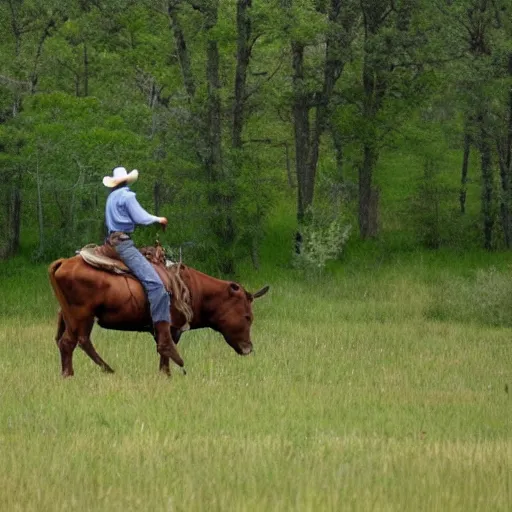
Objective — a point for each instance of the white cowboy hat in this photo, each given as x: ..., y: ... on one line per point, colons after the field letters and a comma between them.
x: 119, y: 176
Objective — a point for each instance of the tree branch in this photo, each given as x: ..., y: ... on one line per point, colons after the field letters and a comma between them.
x: 46, y: 33
x: 268, y: 77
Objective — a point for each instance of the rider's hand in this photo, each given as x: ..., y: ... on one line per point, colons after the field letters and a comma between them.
x: 163, y: 221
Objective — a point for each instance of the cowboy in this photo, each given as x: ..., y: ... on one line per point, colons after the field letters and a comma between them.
x: 122, y: 214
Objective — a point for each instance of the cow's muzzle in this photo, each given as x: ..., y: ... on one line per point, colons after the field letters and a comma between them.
x: 245, y: 349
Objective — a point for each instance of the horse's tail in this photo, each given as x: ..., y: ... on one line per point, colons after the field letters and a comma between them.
x: 64, y: 316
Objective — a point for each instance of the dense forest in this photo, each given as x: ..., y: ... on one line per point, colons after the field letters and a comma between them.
x: 366, y: 116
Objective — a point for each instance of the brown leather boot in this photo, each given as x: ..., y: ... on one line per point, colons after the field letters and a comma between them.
x: 165, y: 345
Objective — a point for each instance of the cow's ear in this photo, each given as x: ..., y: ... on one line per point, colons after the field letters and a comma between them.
x: 261, y: 292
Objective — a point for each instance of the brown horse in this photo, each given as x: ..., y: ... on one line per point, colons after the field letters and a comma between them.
x: 87, y: 294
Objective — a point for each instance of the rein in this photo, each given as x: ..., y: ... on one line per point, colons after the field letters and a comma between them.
x: 180, y: 293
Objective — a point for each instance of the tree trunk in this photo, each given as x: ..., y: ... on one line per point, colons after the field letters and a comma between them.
x: 368, y: 195
x: 181, y: 48
x: 86, y: 71
x: 464, y: 173
x: 487, y: 184
x: 10, y: 245
x: 505, y: 162
x: 40, y: 217
x: 374, y: 90
x: 214, y: 126
x: 338, y: 150
x: 307, y: 141
x: 478, y: 25
x: 333, y: 68
x: 505, y: 202
x: 301, y: 128
x: 209, y: 128
x: 15, y: 216
x: 243, y: 55
x: 221, y: 192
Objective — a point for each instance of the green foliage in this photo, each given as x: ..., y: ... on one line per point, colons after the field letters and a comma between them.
x: 68, y: 146
x: 320, y: 244
x: 88, y: 85
x: 323, y: 238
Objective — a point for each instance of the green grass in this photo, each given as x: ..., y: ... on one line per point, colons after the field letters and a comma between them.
x: 379, y: 386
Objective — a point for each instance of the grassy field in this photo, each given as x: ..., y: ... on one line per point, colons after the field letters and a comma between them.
x: 380, y: 386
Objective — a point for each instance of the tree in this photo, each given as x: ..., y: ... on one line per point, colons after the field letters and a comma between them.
x: 217, y: 107
x: 312, y: 95
x: 27, y: 26
x: 388, y: 62
x: 481, y: 32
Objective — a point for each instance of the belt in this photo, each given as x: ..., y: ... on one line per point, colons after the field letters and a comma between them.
x: 116, y: 237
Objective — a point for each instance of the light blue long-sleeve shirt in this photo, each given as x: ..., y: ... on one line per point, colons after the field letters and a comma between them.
x: 123, y: 212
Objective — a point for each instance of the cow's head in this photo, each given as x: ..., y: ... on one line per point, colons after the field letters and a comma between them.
x: 233, y: 316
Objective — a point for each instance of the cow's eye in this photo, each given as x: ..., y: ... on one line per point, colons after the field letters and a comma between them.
x: 248, y: 318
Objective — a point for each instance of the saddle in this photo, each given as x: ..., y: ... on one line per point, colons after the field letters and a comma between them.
x: 105, y: 257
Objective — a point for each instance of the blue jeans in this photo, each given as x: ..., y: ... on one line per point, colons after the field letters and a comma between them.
x: 159, y: 300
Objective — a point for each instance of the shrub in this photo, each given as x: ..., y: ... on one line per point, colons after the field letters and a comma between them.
x: 485, y: 299
x: 323, y: 239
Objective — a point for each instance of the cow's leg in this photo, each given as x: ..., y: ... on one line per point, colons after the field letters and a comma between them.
x: 176, y: 334
x: 164, y: 365
x: 164, y: 360
x: 61, y: 327
x: 67, y: 344
x: 85, y: 343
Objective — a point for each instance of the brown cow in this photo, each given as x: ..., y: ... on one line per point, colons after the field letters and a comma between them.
x: 118, y: 302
